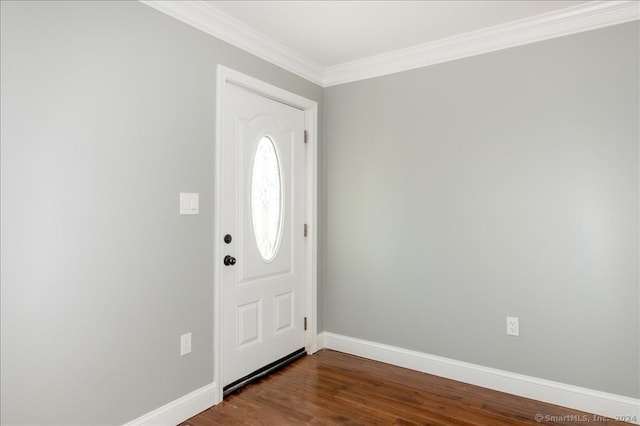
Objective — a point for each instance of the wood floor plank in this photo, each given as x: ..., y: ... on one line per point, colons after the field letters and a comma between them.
x: 333, y: 388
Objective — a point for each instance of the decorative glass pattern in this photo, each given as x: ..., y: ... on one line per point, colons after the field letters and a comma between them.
x: 266, y: 199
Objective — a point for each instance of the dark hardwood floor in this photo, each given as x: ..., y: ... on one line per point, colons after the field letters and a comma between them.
x: 334, y: 388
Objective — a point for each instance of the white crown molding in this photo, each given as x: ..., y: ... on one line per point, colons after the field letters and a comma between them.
x: 592, y: 15
x: 585, y: 17
x: 575, y: 397
x: 214, y: 22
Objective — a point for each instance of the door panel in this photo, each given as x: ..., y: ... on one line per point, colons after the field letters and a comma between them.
x: 249, y: 323
x: 263, y: 184
x: 284, y: 312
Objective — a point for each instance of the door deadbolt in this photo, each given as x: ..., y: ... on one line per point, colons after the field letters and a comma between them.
x: 227, y: 238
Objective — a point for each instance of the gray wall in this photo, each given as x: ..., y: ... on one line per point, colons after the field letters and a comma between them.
x: 108, y: 113
x: 502, y: 184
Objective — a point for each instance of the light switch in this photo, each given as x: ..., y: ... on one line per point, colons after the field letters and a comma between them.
x: 189, y: 203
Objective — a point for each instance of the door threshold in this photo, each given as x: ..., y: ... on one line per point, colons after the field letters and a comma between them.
x: 261, y: 372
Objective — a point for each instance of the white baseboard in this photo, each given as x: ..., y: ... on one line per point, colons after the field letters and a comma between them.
x: 181, y: 409
x: 320, y: 341
x: 583, y: 399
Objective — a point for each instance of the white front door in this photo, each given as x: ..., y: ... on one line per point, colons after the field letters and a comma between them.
x: 262, y: 220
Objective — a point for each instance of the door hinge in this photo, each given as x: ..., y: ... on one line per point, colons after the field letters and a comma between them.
x: 306, y: 136
x: 306, y: 229
x: 305, y: 323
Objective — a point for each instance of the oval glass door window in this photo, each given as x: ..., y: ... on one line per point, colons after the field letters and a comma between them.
x: 266, y: 199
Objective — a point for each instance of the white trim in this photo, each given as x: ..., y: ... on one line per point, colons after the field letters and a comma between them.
x: 214, y: 22
x: 226, y: 75
x: 181, y: 409
x: 589, y: 16
x: 320, y: 341
x: 311, y: 261
x: 584, y: 17
x: 578, y: 398
x: 217, y: 232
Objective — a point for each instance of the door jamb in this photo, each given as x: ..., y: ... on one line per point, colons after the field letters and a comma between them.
x: 226, y: 75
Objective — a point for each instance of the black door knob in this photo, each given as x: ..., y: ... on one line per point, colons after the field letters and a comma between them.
x: 229, y: 260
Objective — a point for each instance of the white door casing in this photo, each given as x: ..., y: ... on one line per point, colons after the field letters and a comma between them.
x: 260, y: 303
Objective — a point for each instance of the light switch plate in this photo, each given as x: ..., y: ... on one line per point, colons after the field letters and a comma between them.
x: 189, y: 203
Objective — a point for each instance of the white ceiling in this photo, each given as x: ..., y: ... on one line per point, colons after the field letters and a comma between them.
x: 329, y: 33
x: 334, y: 42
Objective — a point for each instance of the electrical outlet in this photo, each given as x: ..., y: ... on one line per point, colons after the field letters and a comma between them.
x: 185, y: 344
x: 513, y: 326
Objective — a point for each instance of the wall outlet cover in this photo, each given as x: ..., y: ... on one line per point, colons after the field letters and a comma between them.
x: 185, y: 344
x: 513, y: 326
